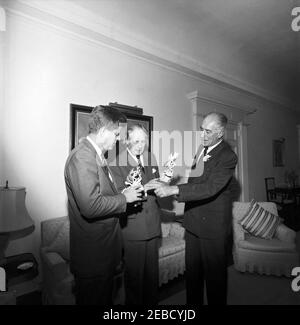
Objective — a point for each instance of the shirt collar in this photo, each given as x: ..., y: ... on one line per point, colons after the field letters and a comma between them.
x: 214, y: 146
x: 135, y: 159
x: 209, y: 149
x: 98, y: 150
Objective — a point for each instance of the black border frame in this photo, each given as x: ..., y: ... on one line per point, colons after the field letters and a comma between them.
x: 136, y: 114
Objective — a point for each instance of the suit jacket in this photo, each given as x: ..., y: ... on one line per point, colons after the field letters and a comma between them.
x: 142, y: 222
x: 208, y: 198
x: 93, y: 207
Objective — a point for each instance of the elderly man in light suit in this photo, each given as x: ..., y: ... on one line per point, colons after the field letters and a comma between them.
x: 140, y: 224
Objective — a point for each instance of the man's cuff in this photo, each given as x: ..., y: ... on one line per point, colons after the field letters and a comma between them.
x: 176, y: 190
x: 179, y: 196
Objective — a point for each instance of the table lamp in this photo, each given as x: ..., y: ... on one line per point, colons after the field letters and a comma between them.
x: 15, y: 222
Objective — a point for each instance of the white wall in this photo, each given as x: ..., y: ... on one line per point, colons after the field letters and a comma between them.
x: 48, y: 69
x: 1, y: 100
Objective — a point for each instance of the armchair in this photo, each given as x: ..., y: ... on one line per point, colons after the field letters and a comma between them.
x: 58, y: 281
x: 277, y: 256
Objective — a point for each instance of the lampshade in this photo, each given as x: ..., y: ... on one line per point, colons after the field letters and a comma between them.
x: 13, y: 213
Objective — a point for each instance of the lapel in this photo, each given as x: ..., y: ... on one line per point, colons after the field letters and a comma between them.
x: 215, y: 151
x: 101, y: 166
x: 147, y: 167
x: 202, y: 167
x: 196, y: 159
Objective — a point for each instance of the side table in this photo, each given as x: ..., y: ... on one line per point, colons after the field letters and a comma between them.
x: 17, y: 276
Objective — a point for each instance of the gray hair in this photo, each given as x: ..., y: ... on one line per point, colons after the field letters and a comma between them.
x: 135, y: 127
x: 220, y: 117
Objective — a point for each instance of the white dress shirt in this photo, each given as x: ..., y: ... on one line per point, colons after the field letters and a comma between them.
x: 209, y: 149
x: 135, y: 159
x: 100, y: 155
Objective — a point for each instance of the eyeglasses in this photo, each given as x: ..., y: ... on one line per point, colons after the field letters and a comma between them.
x: 207, y: 131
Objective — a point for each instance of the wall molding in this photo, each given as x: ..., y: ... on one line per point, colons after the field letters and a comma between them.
x: 234, y: 105
x: 73, y: 19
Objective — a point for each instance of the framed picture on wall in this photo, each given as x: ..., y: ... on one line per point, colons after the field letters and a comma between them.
x: 278, y: 152
x: 79, y: 116
x: 79, y: 128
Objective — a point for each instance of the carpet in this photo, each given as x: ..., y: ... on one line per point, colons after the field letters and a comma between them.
x: 251, y: 289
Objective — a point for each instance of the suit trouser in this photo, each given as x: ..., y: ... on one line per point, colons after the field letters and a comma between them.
x: 206, y: 260
x: 141, y: 271
x: 94, y: 290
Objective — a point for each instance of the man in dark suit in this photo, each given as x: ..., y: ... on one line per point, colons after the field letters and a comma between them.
x: 208, y: 214
x: 140, y: 224
x: 94, y: 205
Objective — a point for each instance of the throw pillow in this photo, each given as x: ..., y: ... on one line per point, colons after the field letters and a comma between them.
x: 260, y: 222
x: 61, y: 243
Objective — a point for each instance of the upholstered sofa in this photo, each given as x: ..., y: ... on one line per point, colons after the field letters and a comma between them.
x: 58, y: 282
x: 276, y: 256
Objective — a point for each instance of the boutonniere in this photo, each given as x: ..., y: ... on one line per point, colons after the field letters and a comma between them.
x: 206, y: 158
x: 153, y: 170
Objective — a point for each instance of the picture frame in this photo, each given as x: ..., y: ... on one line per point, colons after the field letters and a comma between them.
x: 79, y: 115
x: 278, y: 152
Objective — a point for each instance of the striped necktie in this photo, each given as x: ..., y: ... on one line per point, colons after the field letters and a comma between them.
x: 138, y: 157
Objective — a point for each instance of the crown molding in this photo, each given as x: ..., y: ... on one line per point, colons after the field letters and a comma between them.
x: 80, y: 22
x: 231, y: 99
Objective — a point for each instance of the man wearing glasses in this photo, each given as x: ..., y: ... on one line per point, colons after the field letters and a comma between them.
x: 208, y: 212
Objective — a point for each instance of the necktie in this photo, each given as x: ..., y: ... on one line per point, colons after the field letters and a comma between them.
x: 197, y: 159
x: 107, y: 171
x: 140, y: 163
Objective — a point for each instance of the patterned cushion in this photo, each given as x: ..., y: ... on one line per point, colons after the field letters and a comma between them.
x: 61, y: 243
x: 260, y: 222
x: 261, y: 244
x: 165, y: 229
x: 171, y: 245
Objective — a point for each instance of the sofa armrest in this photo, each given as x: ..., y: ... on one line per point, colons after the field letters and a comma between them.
x: 177, y: 230
x: 238, y: 232
x: 285, y: 234
x: 50, y: 228
x: 55, y: 264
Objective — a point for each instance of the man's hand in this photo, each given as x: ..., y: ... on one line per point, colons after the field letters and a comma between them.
x: 152, y: 185
x: 166, y: 190
x: 133, y: 193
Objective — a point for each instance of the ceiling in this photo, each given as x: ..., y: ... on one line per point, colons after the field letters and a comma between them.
x: 248, y: 40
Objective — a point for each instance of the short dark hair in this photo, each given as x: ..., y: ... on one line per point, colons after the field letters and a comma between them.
x: 104, y: 116
x: 134, y: 127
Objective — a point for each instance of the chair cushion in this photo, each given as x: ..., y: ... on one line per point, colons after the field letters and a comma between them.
x: 171, y: 245
x: 165, y: 229
x: 259, y: 221
x: 61, y: 243
x: 260, y: 244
